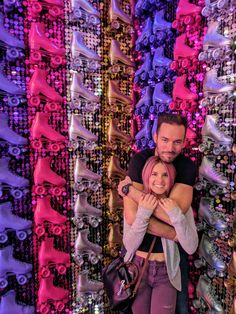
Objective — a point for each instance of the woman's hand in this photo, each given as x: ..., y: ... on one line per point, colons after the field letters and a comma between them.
x: 167, y: 204
x: 122, y: 183
x: 148, y: 201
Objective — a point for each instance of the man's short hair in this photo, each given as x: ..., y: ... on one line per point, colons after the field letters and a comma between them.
x: 171, y: 118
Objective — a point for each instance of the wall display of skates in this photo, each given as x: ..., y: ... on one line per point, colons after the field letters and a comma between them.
x: 46, y: 180
x: 48, y: 220
x: 41, y: 91
x: 81, y: 55
x: 9, y: 181
x: 79, y: 136
x: 214, y: 139
x: 82, y: 97
x: 84, y: 11
x: 11, y: 94
x: 51, y: 297
x: 119, y: 61
x: 86, y: 250
x: 9, y: 266
x: 11, y: 223
x: 85, y: 179
x: 85, y: 213
x: 118, y: 19
x: 211, y: 178
x: 9, y: 304
x: 50, y: 258
x: 53, y: 9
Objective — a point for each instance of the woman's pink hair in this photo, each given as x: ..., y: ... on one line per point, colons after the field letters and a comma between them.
x: 147, y: 171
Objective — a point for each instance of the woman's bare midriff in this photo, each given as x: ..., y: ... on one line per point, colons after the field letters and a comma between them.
x: 160, y: 257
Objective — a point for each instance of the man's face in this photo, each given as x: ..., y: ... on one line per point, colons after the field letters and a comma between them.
x: 169, y: 141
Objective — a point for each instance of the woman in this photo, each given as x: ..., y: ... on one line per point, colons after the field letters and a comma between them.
x: 162, y: 278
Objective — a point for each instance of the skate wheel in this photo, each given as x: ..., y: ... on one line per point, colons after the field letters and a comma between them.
x: 161, y: 108
x: 94, y: 259
x: 44, y: 308
x: 219, y: 99
x: 34, y: 101
x: 202, y: 56
x: 54, y: 147
x: 184, y: 106
x: 217, y: 54
x: 35, y: 56
x: 80, y: 187
x: 12, y: 54
x: 45, y: 272
x: 93, y: 222
x: 56, y: 191
x: 129, y: 30
x: 213, y: 191
x: 216, y: 151
x: 174, y: 65
x: 37, y: 144
x: 17, y: 194
x: 185, y: 63
x: 21, y: 279
x: 21, y: 235
x: 115, y: 24
x: 152, y: 39
x: 198, y: 186
x: 14, y: 151
x: 202, y: 147
x: 175, y: 24
x: 161, y: 36
x: 115, y: 69
x: 3, y: 238
x: 161, y: 72
x: 61, y: 269
x: 3, y: 283
x: 57, y: 230
x: 40, y: 190
x: 172, y: 106
x: 52, y: 106
x: 59, y: 305
x: 54, y: 11
x: 13, y: 101
x: 143, y: 76
x: 205, y: 12
x: 36, y: 8
x: 56, y: 61
x: 93, y: 20
x: 221, y: 4
x: 40, y: 231
x: 188, y: 20
x: 77, y: 13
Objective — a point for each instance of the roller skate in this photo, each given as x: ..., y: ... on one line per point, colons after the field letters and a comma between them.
x: 9, y: 305
x: 185, y: 57
x: 11, y: 5
x: 14, y: 142
x: 88, y: 290
x: 144, y: 136
x: 142, y: 42
x: 40, y: 90
x: 11, y: 181
x: 160, y: 66
x: 116, y: 137
x: 12, y: 94
x: 214, y: 139
x: 188, y: 16
x: 114, y: 239
x: 47, y: 218
x: 53, y: 7
x: 160, y: 100
x: 86, y: 249
x: 85, y: 178
x: 83, y: 10
x: 11, y: 266
x: 210, y: 177
x: 10, y: 222
x: 117, y: 100
x: 50, y: 296
x: 81, y: 96
x: 114, y: 170
x: 215, y: 45
x: 216, y: 92
x: 14, y: 47
x: 79, y: 135
x: 184, y: 99
x: 119, y: 61
x: 44, y: 136
x: 84, y: 213
x: 207, y: 296
x: 46, y: 180
x: 41, y: 45
x: 118, y: 17
x: 209, y: 253
x: 82, y: 55
x: 115, y: 205
x: 162, y: 33
x: 50, y: 258
x: 210, y: 217
x: 141, y: 75
x: 144, y: 103
x: 143, y: 7
x: 217, y: 8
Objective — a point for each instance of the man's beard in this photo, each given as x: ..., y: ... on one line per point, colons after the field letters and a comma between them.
x: 162, y: 156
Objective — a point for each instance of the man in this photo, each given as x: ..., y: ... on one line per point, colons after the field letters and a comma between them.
x: 170, y: 140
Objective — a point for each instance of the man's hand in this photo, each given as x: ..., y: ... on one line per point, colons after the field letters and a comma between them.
x: 122, y: 183
x: 148, y: 201
x: 167, y: 204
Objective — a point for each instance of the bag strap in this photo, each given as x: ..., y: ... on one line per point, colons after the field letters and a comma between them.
x: 144, y: 267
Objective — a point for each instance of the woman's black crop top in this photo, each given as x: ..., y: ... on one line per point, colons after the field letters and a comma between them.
x: 147, y: 241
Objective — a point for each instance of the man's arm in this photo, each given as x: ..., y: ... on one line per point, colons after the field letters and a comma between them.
x: 155, y: 226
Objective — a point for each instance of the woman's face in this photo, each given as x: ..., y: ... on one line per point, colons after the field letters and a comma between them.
x: 159, y: 180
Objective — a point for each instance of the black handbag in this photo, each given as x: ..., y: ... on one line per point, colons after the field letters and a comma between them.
x: 121, y: 281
